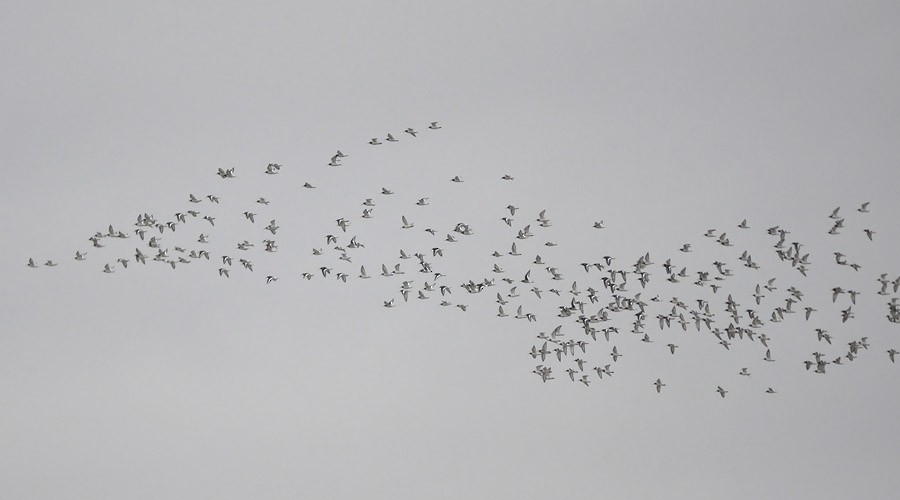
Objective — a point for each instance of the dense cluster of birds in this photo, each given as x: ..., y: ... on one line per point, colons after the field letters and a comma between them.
x: 590, y: 309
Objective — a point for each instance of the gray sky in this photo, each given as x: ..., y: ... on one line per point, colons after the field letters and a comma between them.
x: 662, y: 119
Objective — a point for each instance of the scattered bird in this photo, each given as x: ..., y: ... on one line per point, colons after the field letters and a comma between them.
x: 594, y: 308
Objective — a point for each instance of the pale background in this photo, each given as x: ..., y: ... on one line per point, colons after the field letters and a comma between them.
x: 662, y: 118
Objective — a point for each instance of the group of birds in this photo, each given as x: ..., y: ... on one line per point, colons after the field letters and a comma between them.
x: 604, y: 303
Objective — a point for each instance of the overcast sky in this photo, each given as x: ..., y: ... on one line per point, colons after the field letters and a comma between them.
x: 663, y: 119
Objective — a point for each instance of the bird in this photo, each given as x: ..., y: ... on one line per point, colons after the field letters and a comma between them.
x: 226, y: 174
x: 721, y: 391
x: 434, y: 126
x: 659, y: 385
x: 271, y: 279
x: 615, y: 354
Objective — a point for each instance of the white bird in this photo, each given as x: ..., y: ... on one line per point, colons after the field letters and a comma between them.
x: 375, y: 141
x: 434, y: 126
x: 406, y: 224
x: 722, y: 392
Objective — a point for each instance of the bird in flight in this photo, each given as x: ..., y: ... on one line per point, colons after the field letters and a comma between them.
x: 659, y: 385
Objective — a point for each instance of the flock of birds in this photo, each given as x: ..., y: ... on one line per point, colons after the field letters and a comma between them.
x: 597, y: 312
